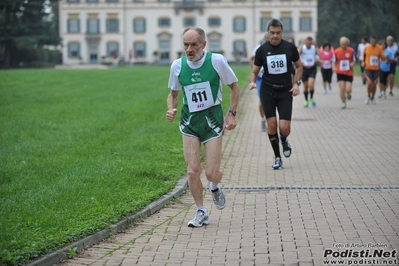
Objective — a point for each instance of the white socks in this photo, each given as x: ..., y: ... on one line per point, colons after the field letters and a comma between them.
x: 213, y: 187
x: 202, y: 208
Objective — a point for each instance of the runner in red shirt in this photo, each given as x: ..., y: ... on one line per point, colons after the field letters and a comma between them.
x: 344, y: 59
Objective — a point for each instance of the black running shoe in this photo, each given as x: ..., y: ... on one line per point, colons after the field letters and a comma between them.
x: 286, y: 149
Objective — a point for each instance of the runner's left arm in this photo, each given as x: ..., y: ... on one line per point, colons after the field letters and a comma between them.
x: 298, y: 70
x: 230, y: 120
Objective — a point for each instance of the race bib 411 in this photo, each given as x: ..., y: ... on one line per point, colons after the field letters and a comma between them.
x: 199, y: 96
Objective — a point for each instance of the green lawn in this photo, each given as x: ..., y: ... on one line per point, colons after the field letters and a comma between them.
x: 81, y: 149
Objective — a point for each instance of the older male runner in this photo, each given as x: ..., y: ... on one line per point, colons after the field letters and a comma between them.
x: 393, y: 47
x: 344, y: 59
x: 200, y: 75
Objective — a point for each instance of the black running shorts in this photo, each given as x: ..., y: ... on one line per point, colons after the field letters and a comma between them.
x: 327, y: 74
x: 372, y: 74
x: 346, y: 78
x: 384, y: 77
x: 276, y: 98
x: 309, y: 73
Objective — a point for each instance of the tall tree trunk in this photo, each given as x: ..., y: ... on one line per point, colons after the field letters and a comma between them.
x: 7, y: 42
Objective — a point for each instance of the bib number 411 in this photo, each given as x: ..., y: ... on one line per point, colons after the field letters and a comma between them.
x: 199, y: 96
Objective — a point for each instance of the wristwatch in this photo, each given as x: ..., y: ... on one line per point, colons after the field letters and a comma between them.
x: 299, y: 82
x: 234, y: 112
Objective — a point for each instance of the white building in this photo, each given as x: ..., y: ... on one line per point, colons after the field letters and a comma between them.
x: 149, y: 31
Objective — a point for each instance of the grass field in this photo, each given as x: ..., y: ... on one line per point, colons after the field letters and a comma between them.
x: 81, y: 149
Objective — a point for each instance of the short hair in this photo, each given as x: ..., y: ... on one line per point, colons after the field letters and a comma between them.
x: 200, y: 32
x: 309, y: 39
x: 383, y: 42
x: 373, y: 37
x: 274, y: 22
x: 365, y: 39
x: 326, y: 45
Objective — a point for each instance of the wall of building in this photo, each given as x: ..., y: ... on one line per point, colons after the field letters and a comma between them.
x: 125, y: 11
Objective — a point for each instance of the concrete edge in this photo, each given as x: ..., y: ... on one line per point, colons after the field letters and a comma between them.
x: 62, y: 254
x: 81, y: 66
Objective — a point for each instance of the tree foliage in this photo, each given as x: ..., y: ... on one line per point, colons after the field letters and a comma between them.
x: 357, y: 19
x: 26, y: 25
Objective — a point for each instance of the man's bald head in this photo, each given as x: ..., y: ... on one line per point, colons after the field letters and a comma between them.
x: 390, y: 40
x: 344, y: 42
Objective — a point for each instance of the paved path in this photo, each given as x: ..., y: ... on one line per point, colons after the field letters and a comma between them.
x: 340, y: 188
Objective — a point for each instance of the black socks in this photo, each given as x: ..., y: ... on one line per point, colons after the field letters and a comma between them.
x: 307, y: 93
x: 274, y: 141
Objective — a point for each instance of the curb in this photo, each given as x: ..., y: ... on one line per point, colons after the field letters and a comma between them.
x: 62, y: 254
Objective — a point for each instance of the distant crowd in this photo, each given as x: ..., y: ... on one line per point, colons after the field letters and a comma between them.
x: 377, y: 60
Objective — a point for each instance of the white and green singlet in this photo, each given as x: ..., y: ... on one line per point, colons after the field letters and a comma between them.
x: 201, y: 82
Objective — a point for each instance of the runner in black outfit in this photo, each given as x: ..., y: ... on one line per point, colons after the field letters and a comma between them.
x: 277, y: 89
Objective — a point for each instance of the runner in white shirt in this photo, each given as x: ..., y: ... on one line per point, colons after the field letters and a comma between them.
x: 258, y: 83
x: 393, y: 47
x: 200, y: 76
x: 309, y: 57
x: 360, y: 50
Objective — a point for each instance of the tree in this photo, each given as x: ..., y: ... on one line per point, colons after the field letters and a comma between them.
x: 356, y: 19
x: 25, y: 24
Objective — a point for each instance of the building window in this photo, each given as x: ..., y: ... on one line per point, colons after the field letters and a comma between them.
x: 305, y: 24
x: 140, y: 49
x: 164, y: 50
x: 93, y: 26
x: 213, y: 0
x: 189, y: 22
x: 287, y: 24
x: 139, y: 25
x: 163, y: 1
x: 112, y: 1
x: 92, y: 1
x: 164, y: 22
x: 214, y: 21
x: 73, y: 49
x: 214, y: 46
x: 138, y: 1
x: 73, y: 25
x: 263, y: 23
x: 239, y: 24
x: 73, y: 1
x: 112, y: 25
x: 240, y: 49
x: 112, y: 49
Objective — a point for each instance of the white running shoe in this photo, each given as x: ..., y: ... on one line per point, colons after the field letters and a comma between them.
x: 278, y: 164
x: 201, y: 218
x: 219, y: 198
